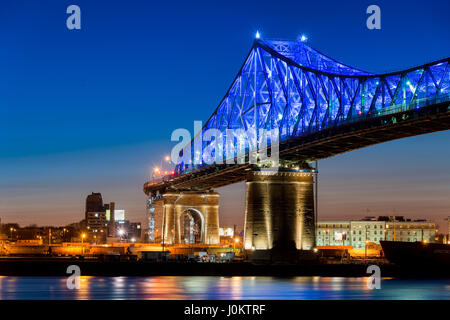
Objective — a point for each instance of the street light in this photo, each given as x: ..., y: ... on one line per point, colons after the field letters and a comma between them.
x: 121, y: 232
x: 236, y: 240
x: 82, y: 237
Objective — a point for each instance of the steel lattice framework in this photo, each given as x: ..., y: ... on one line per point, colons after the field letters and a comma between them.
x: 288, y: 86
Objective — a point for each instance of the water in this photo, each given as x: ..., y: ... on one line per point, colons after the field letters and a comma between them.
x: 218, y: 288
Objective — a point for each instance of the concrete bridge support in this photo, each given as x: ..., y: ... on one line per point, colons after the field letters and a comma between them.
x: 187, y: 217
x: 279, y: 215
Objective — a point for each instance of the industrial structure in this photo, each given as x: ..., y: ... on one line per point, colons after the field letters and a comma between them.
x: 317, y: 107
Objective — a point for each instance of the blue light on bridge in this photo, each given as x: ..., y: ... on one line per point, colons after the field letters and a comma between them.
x: 293, y: 88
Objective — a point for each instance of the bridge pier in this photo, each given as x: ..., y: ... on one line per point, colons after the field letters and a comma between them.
x: 186, y: 217
x: 279, y: 215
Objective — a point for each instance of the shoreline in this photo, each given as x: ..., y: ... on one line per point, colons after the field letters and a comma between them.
x: 58, y: 267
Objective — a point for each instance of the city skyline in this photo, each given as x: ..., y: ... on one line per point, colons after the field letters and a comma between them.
x: 103, y: 132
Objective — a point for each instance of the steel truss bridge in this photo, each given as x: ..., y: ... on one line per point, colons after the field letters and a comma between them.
x: 319, y: 106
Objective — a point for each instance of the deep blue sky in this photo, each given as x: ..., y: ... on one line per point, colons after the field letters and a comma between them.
x: 93, y: 109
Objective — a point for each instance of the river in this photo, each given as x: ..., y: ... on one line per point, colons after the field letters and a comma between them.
x: 221, y: 288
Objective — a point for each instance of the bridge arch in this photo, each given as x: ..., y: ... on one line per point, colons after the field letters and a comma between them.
x: 192, y: 224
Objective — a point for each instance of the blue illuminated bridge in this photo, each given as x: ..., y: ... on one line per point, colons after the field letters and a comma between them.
x: 319, y: 106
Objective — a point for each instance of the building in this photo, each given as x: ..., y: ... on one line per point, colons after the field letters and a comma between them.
x: 97, y: 226
x: 135, y: 231
x: 94, y: 203
x: 333, y: 233
x: 411, y: 231
x: 370, y: 230
x: 226, y: 235
x: 366, y: 231
x: 101, y: 219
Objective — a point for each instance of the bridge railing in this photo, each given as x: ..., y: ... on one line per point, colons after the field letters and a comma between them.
x: 399, y: 108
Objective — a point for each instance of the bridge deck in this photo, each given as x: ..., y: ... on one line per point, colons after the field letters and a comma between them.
x: 319, y: 145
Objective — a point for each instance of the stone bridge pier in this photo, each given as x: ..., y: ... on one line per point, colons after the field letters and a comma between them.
x: 185, y: 217
x: 279, y: 214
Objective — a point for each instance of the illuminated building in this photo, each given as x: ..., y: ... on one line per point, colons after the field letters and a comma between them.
x: 411, y: 231
x: 366, y: 231
x: 333, y: 233
x: 97, y: 226
x: 357, y: 233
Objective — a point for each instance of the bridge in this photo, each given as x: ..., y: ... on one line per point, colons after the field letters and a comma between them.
x: 318, y: 108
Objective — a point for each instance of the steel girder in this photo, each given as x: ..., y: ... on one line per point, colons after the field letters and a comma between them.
x: 296, y: 90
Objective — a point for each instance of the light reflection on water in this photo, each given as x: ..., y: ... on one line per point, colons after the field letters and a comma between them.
x: 216, y: 288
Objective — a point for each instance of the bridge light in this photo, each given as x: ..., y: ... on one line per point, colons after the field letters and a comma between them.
x: 257, y: 35
x: 303, y: 38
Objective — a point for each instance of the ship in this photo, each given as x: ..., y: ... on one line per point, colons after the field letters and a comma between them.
x: 417, y: 253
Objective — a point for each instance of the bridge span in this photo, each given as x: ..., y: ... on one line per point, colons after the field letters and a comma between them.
x: 319, y: 108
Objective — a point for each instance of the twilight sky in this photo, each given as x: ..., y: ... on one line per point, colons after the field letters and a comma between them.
x: 93, y: 109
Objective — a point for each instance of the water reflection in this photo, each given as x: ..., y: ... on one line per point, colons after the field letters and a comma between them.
x: 181, y: 288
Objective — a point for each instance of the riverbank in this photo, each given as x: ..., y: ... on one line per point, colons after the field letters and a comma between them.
x: 58, y: 267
